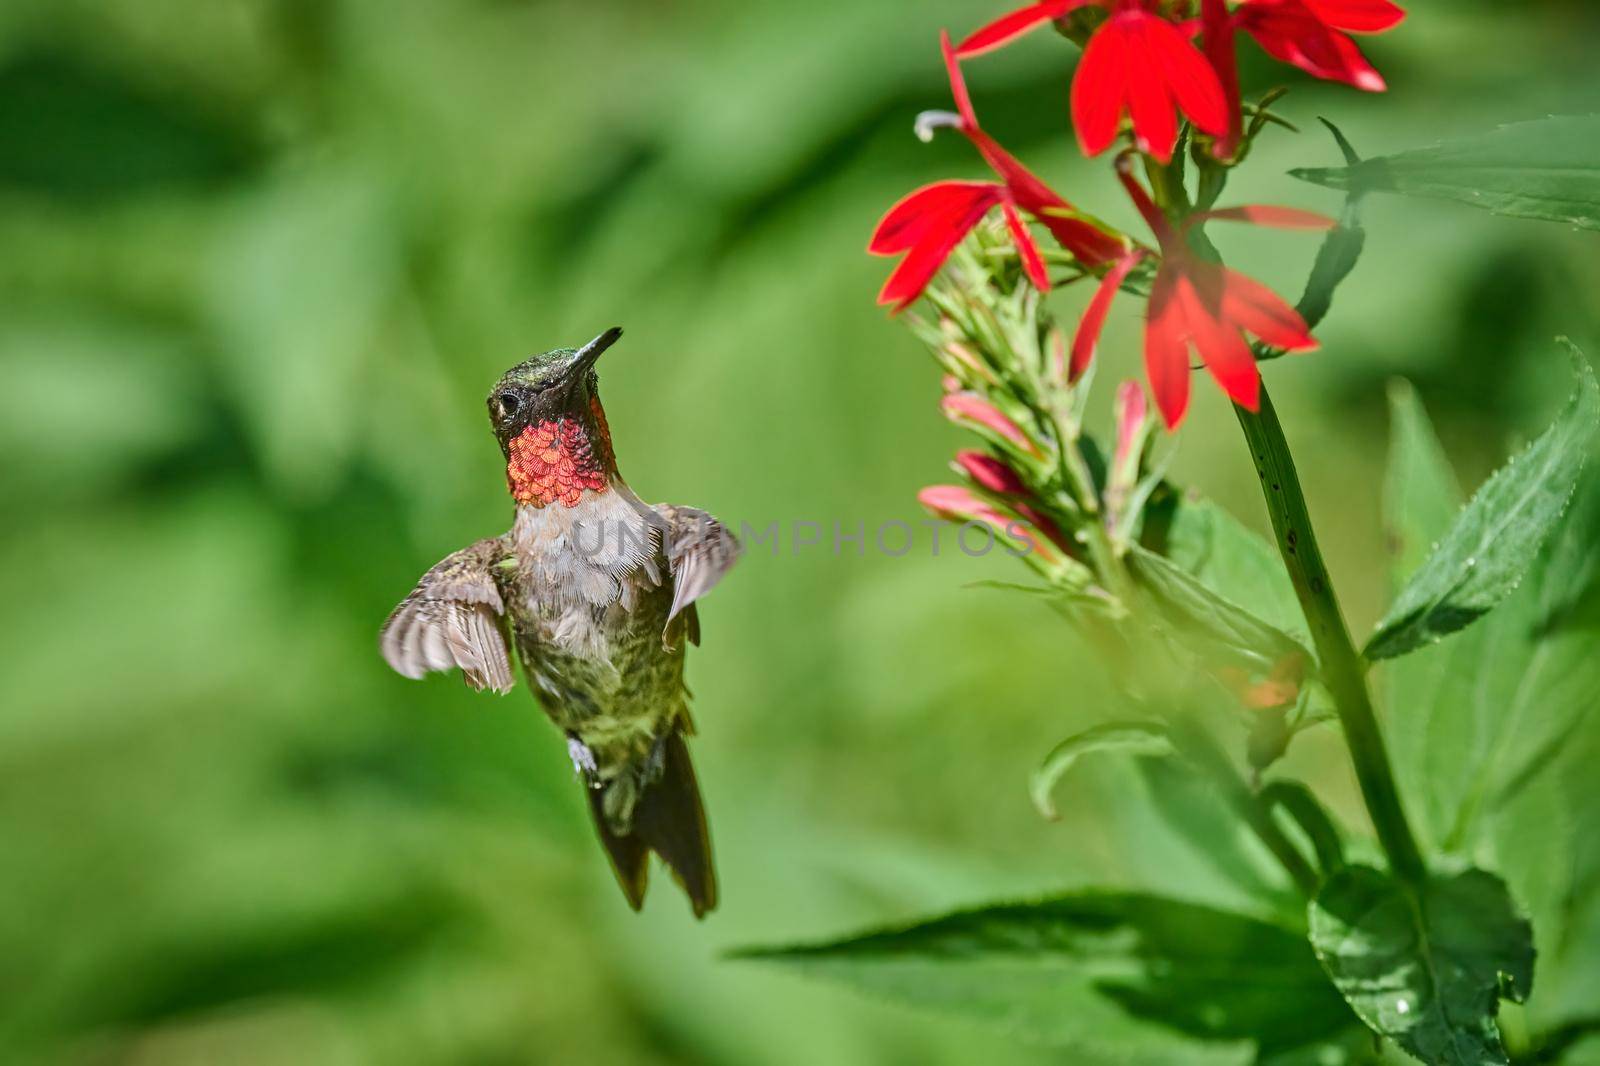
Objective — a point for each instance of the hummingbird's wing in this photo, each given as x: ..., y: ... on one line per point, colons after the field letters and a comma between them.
x: 452, y: 619
x: 699, y: 551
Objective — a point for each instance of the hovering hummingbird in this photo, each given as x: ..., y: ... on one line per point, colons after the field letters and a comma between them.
x: 596, y: 591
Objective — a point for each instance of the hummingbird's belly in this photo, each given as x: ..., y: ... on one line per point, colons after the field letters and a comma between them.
x: 601, y: 672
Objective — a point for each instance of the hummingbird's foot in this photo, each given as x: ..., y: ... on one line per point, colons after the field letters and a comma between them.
x: 582, y: 758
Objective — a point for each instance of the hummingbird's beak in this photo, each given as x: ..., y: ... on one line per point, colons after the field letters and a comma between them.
x: 585, y: 357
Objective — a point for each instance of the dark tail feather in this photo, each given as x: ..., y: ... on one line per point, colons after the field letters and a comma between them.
x: 669, y: 820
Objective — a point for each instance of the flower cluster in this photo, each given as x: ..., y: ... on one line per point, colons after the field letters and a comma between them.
x: 1037, y: 480
x: 1148, y: 66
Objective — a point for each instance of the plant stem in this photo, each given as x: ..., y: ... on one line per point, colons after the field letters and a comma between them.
x: 1341, y: 665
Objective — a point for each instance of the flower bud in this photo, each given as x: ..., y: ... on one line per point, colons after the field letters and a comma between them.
x: 961, y: 361
x: 1133, y: 428
x: 1133, y: 425
x: 1056, y: 347
x: 953, y: 503
x: 990, y: 473
x: 971, y: 410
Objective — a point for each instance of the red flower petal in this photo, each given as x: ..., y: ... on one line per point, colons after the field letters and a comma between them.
x: 1166, y: 349
x: 1251, y: 305
x: 1100, y: 88
x: 1265, y: 215
x: 1290, y: 31
x: 1032, y: 263
x: 1221, y: 346
x: 908, y: 221
x: 1358, y: 16
x: 1190, y: 81
x: 1221, y: 53
x: 958, y: 84
x: 935, y: 242
x: 1094, y: 316
x: 1088, y: 243
x: 1091, y: 244
x: 1150, y: 106
x: 1158, y: 223
x: 1014, y: 24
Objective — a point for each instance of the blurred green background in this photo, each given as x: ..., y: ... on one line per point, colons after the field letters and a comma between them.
x: 261, y: 262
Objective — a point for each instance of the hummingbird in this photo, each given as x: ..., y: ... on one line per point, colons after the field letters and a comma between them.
x: 596, y: 592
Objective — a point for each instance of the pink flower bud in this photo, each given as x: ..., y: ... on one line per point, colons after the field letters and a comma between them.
x: 953, y: 503
x: 973, y: 410
x: 1044, y: 525
x: 1057, y: 343
x: 967, y: 360
x: 1122, y: 480
x: 990, y: 473
x: 950, y: 383
x: 1132, y: 414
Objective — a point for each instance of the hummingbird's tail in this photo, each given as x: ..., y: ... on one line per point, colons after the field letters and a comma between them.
x: 669, y: 820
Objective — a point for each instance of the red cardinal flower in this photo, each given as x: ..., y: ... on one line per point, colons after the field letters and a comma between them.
x: 1200, y: 304
x: 928, y: 224
x: 1137, y: 63
x: 1313, y: 35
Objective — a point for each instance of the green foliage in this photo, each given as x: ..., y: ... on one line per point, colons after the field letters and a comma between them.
x: 1114, y: 977
x: 1133, y: 738
x: 1492, y: 729
x: 1546, y: 169
x: 1301, y: 804
x: 1208, y: 622
x: 1488, y: 550
x: 1340, y: 249
x: 1420, y: 495
x: 1427, y: 968
x: 263, y: 260
x: 1234, y: 562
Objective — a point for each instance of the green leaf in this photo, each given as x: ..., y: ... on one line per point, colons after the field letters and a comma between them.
x: 1487, y: 552
x: 1475, y: 719
x: 1234, y: 562
x: 1420, y: 495
x: 1301, y: 804
x: 1048, y: 591
x: 1135, y: 738
x: 1208, y: 623
x: 1188, y: 804
x: 1547, y: 169
x: 1427, y: 972
x: 1495, y: 741
x: 1340, y: 249
x: 1115, y: 977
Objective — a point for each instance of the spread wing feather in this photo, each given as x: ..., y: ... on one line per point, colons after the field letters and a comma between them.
x: 699, y: 551
x: 452, y: 619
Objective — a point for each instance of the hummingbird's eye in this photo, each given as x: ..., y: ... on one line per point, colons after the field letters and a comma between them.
x: 509, y: 402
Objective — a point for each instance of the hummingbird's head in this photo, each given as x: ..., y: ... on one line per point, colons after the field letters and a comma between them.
x: 547, y: 417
